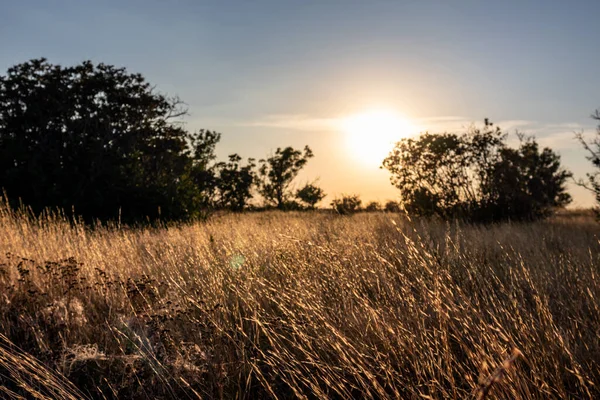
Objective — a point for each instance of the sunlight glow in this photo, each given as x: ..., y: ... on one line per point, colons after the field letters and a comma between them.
x: 371, y: 135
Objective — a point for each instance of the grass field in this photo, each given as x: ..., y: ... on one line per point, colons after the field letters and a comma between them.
x: 300, y: 305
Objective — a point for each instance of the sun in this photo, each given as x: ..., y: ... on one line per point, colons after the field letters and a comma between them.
x: 371, y: 135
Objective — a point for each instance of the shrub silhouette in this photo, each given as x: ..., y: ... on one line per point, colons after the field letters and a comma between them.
x: 99, y: 140
x: 477, y: 177
x: 373, y: 206
x: 392, y: 206
x: 277, y: 172
x: 348, y: 204
x: 235, y: 182
x: 310, y: 194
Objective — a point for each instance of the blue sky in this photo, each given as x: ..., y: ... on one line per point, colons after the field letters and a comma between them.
x: 277, y: 73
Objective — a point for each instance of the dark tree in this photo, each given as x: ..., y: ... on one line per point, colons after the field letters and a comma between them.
x: 235, y: 182
x: 97, y: 139
x: 203, y: 173
x: 524, y: 183
x: 392, y: 206
x: 476, y: 176
x: 431, y: 173
x: 373, y: 206
x: 593, y: 150
x: 277, y: 172
x: 348, y: 204
x: 310, y: 194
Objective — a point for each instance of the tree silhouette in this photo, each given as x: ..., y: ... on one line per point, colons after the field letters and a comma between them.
x: 310, y: 194
x: 524, y: 183
x: 593, y: 150
x: 476, y: 176
x: 392, y: 206
x: 373, y: 206
x: 348, y: 204
x: 277, y: 172
x: 100, y: 140
x: 235, y: 182
x: 203, y: 173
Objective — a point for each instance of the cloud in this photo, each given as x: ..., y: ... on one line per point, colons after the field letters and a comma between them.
x: 446, y: 118
x: 510, y: 125
x: 559, y: 136
x: 304, y: 122
x: 293, y: 121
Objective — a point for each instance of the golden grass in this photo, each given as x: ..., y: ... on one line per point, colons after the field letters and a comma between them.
x: 301, y: 305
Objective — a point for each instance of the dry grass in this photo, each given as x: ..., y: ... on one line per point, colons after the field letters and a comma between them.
x: 300, y: 305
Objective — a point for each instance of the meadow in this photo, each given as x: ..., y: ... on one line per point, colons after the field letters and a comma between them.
x: 300, y: 305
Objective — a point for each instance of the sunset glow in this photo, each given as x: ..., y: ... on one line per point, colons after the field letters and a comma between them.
x: 370, y: 135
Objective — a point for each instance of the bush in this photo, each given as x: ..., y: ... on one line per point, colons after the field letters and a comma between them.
x: 310, y: 194
x: 346, y: 205
x: 373, y: 206
x: 292, y: 205
x: 392, y: 206
x: 477, y: 177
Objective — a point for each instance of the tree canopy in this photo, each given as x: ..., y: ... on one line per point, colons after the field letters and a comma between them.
x: 373, y: 206
x: 347, y: 204
x: 277, y: 172
x: 98, y: 139
x: 477, y: 176
x: 235, y: 182
x: 310, y: 194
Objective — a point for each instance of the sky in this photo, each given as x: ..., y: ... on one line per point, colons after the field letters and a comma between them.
x: 270, y: 74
